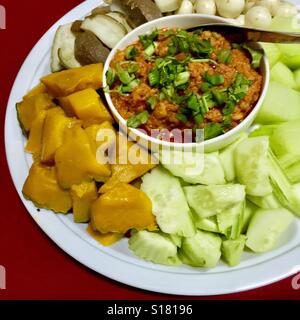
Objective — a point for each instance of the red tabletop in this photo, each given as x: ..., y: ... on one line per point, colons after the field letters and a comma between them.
x: 36, y: 268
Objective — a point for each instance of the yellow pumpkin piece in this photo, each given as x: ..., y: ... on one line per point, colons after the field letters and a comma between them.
x: 75, y: 160
x: 41, y: 187
x: 53, y: 132
x: 87, y: 106
x: 100, y: 134
x: 29, y: 109
x: 40, y: 88
x: 123, y: 208
x: 34, y: 143
x: 83, y: 196
x: 127, y: 172
x: 106, y: 239
x: 64, y: 83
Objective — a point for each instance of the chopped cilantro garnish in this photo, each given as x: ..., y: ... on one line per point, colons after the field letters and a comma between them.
x: 110, y: 76
x: 219, y: 96
x: 182, y: 78
x: 139, y: 119
x: 182, y: 117
x: 212, y: 130
x: 255, y: 55
x: 123, y: 75
x: 205, y: 86
x: 129, y: 88
x: 148, y: 39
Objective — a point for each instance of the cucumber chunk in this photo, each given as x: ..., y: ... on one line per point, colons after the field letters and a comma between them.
x: 230, y: 221
x: 169, y: 204
x: 297, y: 78
x: 194, y: 167
x: 226, y: 157
x: 285, y: 138
x: 208, y: 201
x: 201, y: 250
x: 207, y: 224
x: 177, y: 240
x: 290, y: 55
x: 266, y: 130
x: 266, y: 227
x: 251, y: 163
x: 249, y: 211
x: 154, y: 247
x: 272, y: 51
x: 232, y: 250
x: 283, y: 75
x: 280, y: 105
x: 266, y: 202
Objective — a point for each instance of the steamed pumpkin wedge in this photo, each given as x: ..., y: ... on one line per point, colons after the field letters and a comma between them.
x: 53, y: 132
x: 29, y: 108
x: 75, y: 160
x: 42, y: 189
x: 107, y: 29
x: 123, y: 208
x: 66, y: 82
x: 40, y: 88
x: 87, y: 106
x: 106, y: 239
x: 83, y: 196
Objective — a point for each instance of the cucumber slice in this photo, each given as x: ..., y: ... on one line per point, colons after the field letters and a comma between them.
x: 266, y: 227
x: 177, y: 240
x: 266, y: 130
x: 282, y: 187
x: 293, y: 172
x: 208, y: 201
x: 251, y: 163
x: 285, y: 138
x: 297, y: 79
x: 207, y: 224
x: 277, y: 97
x: 194, y: 167
x: 290, y: 55
x: 283, y: 75
x: 154, y: 247
x: 230, y: 221
x: 232, y: 250
x: 249, y: 211
x: 169, y: 204
x: 201, y: 250
x: 266, y: 202
x: 272, y: 51
x: 226, y: 157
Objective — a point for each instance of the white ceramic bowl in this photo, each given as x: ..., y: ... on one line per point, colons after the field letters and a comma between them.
x: 184, y: 22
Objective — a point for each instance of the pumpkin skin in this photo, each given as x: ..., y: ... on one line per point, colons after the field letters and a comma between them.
x: 122, y: 208
x: 42, y: 189
x: 64, y: 83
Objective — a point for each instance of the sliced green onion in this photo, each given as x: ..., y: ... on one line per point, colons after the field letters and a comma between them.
x: 182, y: 78
x: 152, y: 102
x: 110, y: 76
x: 225, y: 56
x: 198, y: 118
x: 205, y: 86
x: 219, y: 96
x: 139, y: 119
x: 214, y: 79
x: 131, y: 52
x: 193, y: 102
x: 123, y: 75
x: 153, y: 77
x: 149, y: 51
x: 129, y: 88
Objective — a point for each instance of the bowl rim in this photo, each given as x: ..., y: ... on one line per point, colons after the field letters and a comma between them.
x: 206, y: 143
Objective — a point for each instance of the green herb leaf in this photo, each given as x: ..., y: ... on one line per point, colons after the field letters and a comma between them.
x: 123, y: 75
x: 219, y: 96
x: 153, y: 77
x: 182, y: 78
x: 198, y: 118
x: 212, y: 130
x: 148, y: 39
x: 205, y: 86
x: 139, y: 119
x: 182, y: 117
x: 129, y: 88
x: 255, y: 55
